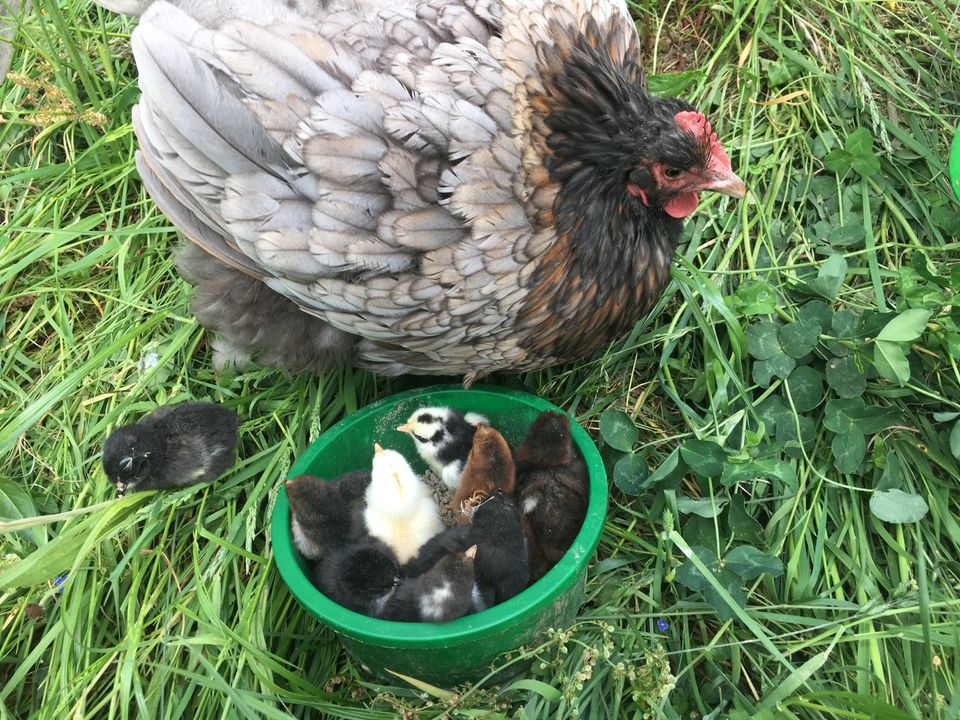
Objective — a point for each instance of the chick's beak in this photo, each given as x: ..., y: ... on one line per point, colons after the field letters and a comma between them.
x: 406, y: 427
x: 728, y: 183
x: 377, y: 449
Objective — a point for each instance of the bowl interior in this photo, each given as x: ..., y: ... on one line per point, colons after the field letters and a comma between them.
x: 348, y: 445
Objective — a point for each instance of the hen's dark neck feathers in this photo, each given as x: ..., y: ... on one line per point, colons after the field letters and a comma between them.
x: 612, y: 257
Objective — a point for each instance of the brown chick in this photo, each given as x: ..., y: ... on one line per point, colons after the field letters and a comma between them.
x: 552, y: 490
x: 489, y: 468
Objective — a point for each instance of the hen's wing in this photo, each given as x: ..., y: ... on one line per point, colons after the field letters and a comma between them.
x: 379, y: 164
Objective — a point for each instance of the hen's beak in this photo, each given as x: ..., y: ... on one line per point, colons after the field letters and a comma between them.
x: 728, y: 183
x: 406, y: 427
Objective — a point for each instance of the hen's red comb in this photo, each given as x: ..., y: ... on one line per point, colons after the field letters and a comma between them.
x: 696, y: 123
x: 693, y: 122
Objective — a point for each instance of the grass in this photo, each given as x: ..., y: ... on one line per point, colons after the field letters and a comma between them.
x: 168, y: 605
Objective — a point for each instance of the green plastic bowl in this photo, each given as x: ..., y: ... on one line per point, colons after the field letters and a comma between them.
x: 461, y: 650
x: 955, y: 164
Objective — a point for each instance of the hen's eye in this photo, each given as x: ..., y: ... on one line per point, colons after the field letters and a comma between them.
x: 672, y: 173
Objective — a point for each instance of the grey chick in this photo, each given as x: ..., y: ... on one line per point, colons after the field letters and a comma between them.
x: 443, y: 438
x: 443, y: 593
x: 324, y: 513
x: 552, y: 490
x: 361, y: 576
x: 173, y: 446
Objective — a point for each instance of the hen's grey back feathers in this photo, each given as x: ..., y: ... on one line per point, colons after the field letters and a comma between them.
x: 379, y: 164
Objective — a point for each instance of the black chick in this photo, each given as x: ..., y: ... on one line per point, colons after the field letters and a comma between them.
x: 173, y: 446
x: 360, y: 576
x: 552, y: 490
x: 451, y: 540
x: 502, y: 566
x: 443, y: 593
x: 324, y: 513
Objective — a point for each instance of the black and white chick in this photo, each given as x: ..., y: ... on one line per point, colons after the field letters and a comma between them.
x: 552, y: 490
x: 502, y: 567
x: 172, y: 446
x: 324, y: 513
x: 443, y: 437
x: 443, y: 593
x: 399, y: 507
x: 361, y: 576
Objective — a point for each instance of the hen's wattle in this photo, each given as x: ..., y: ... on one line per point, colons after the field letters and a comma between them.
x: 419, y: 186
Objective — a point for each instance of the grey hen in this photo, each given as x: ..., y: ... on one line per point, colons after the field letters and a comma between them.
x: 415, y: 186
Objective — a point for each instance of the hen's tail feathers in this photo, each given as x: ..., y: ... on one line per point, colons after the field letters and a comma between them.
x: 254, y: 322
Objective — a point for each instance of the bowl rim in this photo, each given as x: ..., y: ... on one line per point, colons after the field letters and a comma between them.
x: 388, y: 633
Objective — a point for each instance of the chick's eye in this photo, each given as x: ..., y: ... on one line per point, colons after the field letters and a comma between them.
x: 672, y: 173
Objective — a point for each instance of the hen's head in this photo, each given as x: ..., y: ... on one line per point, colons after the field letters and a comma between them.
x: 686, y: 159
x: 606, y: 131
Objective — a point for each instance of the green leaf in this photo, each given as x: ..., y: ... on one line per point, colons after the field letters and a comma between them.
x: 896, y: 506
x: 817, y: 311
x: 16, y: 503
x: 860, y: 146
x: 742, y: 525
x: 905, y: 327
x: 704, y: 507
x: 762, y: 342
x: 845, y: 377
x: 630, y: 473
x: 673, y: 84
x: 749, y: 563
x: 838, y: 161
x: 829, y: 277
x: 688, y: 575
x: 715, y: 600
x: 945, y: 416
x: 547, y: 692
x: 780, y: 365
x: 618, y: 429
x: 848, y: 450
x: 859, y: 143
x: 806, y: 388
x: 670, y: 470
x: 842, y: 415
x: 754, y: 297
x: 847, y: 234
x: 704, y: 457
x: 892, y: 476
x: 955, y: 440
x: 778, y: 470
x: 890, y: 361
x: 867, y: 165
x: 799, y: 338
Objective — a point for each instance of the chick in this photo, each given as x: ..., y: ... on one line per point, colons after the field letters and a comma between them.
x: 443, y: 437
x: 324, y: 513
x: 502, y: 566
x: 451, y: 540
x: 361, y: 576
x: 400, y: 509
x: 552, y: 490
x: 173, y: 446
x: 489, y: 468
x: 445, y: 592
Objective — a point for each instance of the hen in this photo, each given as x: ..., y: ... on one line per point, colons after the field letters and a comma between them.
x: 415, y: 186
